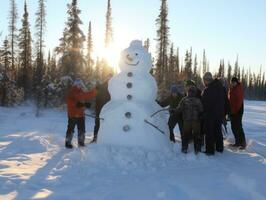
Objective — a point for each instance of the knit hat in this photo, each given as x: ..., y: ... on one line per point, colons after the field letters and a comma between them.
x: 174, y: 89
x: 235, y: 79
x: 208, y: 76
x: 79, y: 83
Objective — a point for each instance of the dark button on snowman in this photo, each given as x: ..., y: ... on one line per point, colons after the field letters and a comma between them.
x: 133, y: 92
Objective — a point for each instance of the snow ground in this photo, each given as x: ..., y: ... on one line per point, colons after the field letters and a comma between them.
x: 35, y: 165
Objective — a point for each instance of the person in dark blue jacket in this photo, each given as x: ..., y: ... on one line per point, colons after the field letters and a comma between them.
x: 213, y: 100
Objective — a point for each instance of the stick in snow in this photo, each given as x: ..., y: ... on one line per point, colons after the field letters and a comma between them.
x: 92, y: 116
x: 154, y: 126
x: 152, y: 115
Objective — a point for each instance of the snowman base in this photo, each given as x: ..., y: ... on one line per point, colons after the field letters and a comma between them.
x: 136, y: 129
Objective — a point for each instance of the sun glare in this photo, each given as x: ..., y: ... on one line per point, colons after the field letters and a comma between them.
x: 112, y: 55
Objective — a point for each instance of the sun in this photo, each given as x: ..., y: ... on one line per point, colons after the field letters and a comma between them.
x: 112, y: 55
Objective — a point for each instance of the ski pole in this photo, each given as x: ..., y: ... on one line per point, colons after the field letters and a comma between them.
x: 92, y: 116
x: 154, y: 126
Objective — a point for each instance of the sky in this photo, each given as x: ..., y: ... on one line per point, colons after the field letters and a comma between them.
x: 224, y: 28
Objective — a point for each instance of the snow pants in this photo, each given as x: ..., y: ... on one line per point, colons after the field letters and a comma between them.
x: 213, y: 135
x: 237, y: 129
x: 193, y: 127
x: 173, y: 120
x: 72, y: 122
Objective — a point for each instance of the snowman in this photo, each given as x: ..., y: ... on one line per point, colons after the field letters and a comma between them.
x: 126, y: 118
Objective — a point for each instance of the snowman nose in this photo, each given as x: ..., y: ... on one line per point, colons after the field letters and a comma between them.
x: 130, y: 58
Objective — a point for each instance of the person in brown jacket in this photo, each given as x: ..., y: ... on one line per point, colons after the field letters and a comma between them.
x: 191, y: 109
x: 76, y: 103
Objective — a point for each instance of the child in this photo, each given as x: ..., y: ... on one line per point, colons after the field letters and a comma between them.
x: 191, y: 109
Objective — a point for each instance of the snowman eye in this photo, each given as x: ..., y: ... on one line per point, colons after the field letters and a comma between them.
x: 136, y: 54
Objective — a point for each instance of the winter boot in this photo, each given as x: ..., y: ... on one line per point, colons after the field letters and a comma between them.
x: 68, y: 145
x: 94, y: 140
x: 209, y: 153
x: 234, y: 145
x: 172, y: 137
x: 184, y: 150
x: 242, y: 146
x: 81, y: 144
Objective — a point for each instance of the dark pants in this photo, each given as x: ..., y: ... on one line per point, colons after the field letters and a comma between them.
x: 193, y: 127
x: 237, y: 129
x: 72, y: 122
x: 96, y: 127
x: 213, y: 135
x: 173, y: 120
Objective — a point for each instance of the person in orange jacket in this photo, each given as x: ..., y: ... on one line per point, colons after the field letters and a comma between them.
x: 236, y: 100
x: 76, y: 100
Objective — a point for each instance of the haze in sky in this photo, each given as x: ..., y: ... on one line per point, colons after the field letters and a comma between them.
x: 225, y: 28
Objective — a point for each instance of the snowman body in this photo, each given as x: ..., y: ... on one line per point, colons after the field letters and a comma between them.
x: 133, y: 93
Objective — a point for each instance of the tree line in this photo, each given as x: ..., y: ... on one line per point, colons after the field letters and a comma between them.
x: 169, y: 68
x: 27, y: 73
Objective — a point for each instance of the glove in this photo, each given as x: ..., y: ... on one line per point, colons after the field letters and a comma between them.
x: 87, y: 104
x: 80, y: 105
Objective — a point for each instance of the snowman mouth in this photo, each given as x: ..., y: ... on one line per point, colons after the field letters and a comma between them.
x: 132, y: 64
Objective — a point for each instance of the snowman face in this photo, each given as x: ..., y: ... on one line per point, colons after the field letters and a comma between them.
x: 135, y: 57
x: 132, y: 59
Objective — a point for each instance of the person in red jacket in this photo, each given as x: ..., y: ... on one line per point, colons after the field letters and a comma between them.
x: 76, y: 100
x: 236, y: 100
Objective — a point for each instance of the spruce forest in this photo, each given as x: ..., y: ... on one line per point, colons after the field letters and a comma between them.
x: 28, y: 72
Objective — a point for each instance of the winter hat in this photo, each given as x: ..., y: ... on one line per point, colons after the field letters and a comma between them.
x: 208, y: 76
x: 190, y: 83
x: 174, y: 89
x: 235, y: 79
x: 79, y: 83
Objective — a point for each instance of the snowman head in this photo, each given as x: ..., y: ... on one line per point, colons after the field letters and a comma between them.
x: 135, y: 58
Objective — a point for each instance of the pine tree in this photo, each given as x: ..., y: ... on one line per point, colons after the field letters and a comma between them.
x: 236, y: 68
x: 40, y: 24
x: 147, y: 44
x: 204, y: 63
x: 90, y: 61
x: 177, y: 63
x: 163, y: 41
x: 188, y: 66
x: 71, y: 44
x: 62, y: 48
x: 221, y: 69
x: 238, y: 73
x: 6, y: 56
x: 108, y: 28
x: 51, y: 68
x: 170, y: 76
x: 7, y: 59
x: 13, y: 34
x: 229, y: 72
x: 195, y: 70
x: 208, y: 66
x: 25, y: 57
x: 250, y: 84
x: 97, y: 70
